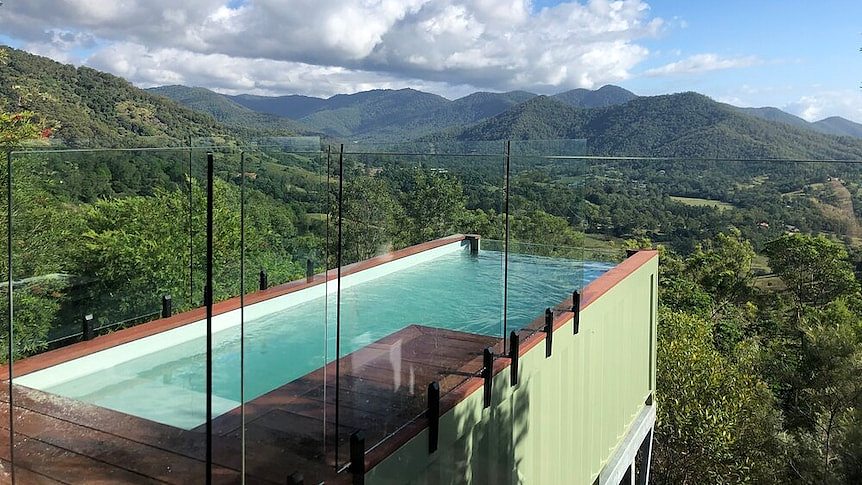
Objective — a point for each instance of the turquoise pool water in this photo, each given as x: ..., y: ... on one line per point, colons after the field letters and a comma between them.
x: 455, y: 291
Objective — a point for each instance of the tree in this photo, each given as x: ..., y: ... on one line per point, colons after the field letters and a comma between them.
x: 829, y: 392
x: 16, y: 128
x: 723, y: 266
x: 814, y: 268
x: 136, y: 249
x: 544, y: 234
x: 35, y: 309
x: 433, y: 206
x: 717, y: 422
x: 369, y: 213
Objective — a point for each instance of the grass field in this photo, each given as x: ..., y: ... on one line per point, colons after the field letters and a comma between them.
x: 694, y: 201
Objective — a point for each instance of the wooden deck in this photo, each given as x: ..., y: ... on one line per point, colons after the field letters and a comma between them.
x: 292, y: 428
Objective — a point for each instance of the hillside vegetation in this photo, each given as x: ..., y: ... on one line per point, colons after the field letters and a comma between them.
x: 681, y: 125
x: 230, y: 113
x: 91, y: 108
x: 405, y: 114
x: 600, y: 98
x: 833, y: 125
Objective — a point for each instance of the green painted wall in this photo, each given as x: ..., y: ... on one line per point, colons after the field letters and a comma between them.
x: 568, y: 413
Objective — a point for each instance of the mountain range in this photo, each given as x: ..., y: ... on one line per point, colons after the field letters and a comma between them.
x: 392, y: 115
x: 93, y: 108
x: 228, y: 112
x: 675, y: 125
x: 833, y: 125
x: 379, y: 114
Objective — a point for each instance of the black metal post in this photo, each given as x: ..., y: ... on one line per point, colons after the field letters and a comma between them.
x: 309, y: 270
x: 167, y: 306
x: 487, y: 373
x: 514, y: 350
x: 433, y: 416
x: 87, y: 327
x: 208, y: 298
x: 549, y: 331
x: 576, y: 310
x: 508, y: 148
x: 338, y: 258
x: 242, y: 203
x: 191, y: 227
x: 357, y: 457
x: 264, y: 281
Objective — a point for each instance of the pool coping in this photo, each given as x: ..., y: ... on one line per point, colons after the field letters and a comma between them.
x: 103, y: 342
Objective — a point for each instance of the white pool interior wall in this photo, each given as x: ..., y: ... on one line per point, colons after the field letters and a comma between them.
x: 105, y: 359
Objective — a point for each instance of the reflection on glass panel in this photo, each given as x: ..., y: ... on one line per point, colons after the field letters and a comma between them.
x: 285, y: 417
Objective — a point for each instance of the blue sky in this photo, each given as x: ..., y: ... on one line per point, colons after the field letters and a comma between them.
x: 802, y: 48
x: 801, y: 56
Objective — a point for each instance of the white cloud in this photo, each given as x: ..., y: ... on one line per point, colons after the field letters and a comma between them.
x: 703, y: 63
x: 733, y: 100
x: 231, y: 75
x: 822, y: 104
x: 490, y: 44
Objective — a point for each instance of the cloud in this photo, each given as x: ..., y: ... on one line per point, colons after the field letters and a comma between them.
x: 62, y: 45
x: 821, y: 104
x: 488, y: 44
x: 733, y: 100
x: 702, y: 63
x: 231, y: 75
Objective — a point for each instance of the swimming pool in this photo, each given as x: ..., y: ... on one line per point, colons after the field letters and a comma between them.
x: 162, y: 377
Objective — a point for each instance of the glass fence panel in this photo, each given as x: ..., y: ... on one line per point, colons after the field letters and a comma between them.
x: 287, y: 344
x: 6, y: 338
x: 225, y: 226
x: 418, y: 300
x: 546, y: 200
x: 101, y: 277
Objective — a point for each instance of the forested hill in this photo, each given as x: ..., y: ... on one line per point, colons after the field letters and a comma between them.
x: 93, y: 108
x: 685, y: 124
x: 839, y: 126
x: 230, y: 113
x: 605, y: 96
x: 356, y: 116
x: 834, y: 125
